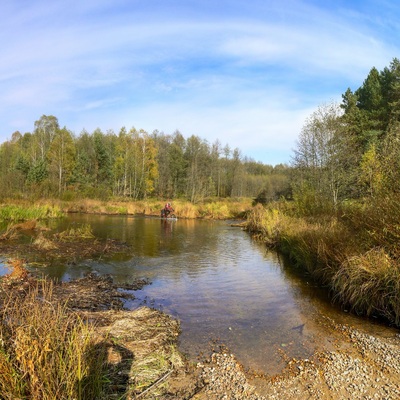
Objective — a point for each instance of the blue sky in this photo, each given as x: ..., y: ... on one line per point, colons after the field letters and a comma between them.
x: 245, y: 72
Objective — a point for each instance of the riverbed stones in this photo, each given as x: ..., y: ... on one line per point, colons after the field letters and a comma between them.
x: 225, y: 378
x: 363, y: 367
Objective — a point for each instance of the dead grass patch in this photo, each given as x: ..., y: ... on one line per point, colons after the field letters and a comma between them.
x: 13, y: 230
x: 44, y: 349
x: 43, y: 243
x: 74, y: 234
x: 370, y: 284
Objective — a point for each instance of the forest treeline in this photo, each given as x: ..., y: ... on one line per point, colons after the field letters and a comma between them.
x: 344, y: 151
x: 352, y: 150
x: 53, y: 162
x: 343, y: 225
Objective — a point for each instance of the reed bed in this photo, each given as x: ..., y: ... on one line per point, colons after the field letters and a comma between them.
x: 46, y: 351
x: 15, y: 213
x: 209, y: 209
x: 76, y: 233
x: 355, y: 255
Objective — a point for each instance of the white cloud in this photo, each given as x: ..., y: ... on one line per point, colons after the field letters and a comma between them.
x: 245, y: 74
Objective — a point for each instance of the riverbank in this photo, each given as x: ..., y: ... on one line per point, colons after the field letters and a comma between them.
x: 138, y: 351
x: 353, y: 252
x: 361, y: 367
x: 16, y: 210
x: 139, y: 348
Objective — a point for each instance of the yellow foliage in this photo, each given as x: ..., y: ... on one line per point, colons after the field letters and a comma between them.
x: 371, y: 171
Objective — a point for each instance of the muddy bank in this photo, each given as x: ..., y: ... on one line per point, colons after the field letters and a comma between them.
x: 140, y: 350
x: 31, y: 242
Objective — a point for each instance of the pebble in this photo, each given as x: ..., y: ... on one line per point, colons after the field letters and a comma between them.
x: 368, y: 369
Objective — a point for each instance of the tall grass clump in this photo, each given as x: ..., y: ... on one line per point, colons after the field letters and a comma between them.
x: 76, y: 233
x: 370, y: 284
x: 43, y: 243
x: 14, y: 213
x: 265, y: 224
x: 317, y: 247
x: 46, y: 351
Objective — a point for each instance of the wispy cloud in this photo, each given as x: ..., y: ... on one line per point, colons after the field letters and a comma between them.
x: 246, y: 74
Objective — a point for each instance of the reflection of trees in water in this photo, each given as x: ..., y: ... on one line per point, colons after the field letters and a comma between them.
x: 317, y: 300
x: 302, y: 282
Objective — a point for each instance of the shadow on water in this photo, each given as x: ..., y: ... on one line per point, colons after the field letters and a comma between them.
x: 224, y: 287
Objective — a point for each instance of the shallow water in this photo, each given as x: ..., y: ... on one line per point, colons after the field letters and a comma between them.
x: 225, y: 288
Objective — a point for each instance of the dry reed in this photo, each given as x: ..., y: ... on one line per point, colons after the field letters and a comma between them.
x: 44, y: 349
x: 44, y: 243
x: 76, y: 233
x: 212, y: 208
x: 370, y: 284
x: 356, y: 254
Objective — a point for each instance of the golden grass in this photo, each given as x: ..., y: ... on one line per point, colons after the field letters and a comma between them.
x: 337, y: 251
x: 76, y: 233
x: 370, y: 284
x: 44, y: 243
x: 265, y: 223
x: 186, y: 210
x: 210, y: 209
x: 45, y: 350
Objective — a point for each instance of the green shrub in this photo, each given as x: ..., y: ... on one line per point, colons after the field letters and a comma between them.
x: 19, y: 213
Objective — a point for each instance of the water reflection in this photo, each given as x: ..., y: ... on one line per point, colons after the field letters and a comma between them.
x: 4, y: 266
x: 224, y: 287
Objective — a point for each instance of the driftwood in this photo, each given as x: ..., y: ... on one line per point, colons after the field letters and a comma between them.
x: 12, y: 230
x: 156, y: 383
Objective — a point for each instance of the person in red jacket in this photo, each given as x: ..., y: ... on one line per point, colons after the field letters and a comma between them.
x: 168, y: 209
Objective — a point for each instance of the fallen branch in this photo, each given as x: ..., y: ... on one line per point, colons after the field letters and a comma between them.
x: 156, y: 383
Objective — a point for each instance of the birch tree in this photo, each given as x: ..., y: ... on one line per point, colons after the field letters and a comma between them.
x: 46, y: 128
x: 61, y: 157
x: 321, y: 157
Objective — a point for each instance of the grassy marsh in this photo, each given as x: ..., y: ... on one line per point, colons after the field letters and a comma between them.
x: 46, y: 360
x: 209, y: 209
x: 354, y: 252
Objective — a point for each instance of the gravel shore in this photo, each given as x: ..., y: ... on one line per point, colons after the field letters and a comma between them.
x: 363, y: 367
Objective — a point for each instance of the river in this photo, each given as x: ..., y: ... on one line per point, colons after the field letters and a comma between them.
x: 224, y: 287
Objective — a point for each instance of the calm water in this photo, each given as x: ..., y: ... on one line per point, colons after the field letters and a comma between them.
x: 224, y: 287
